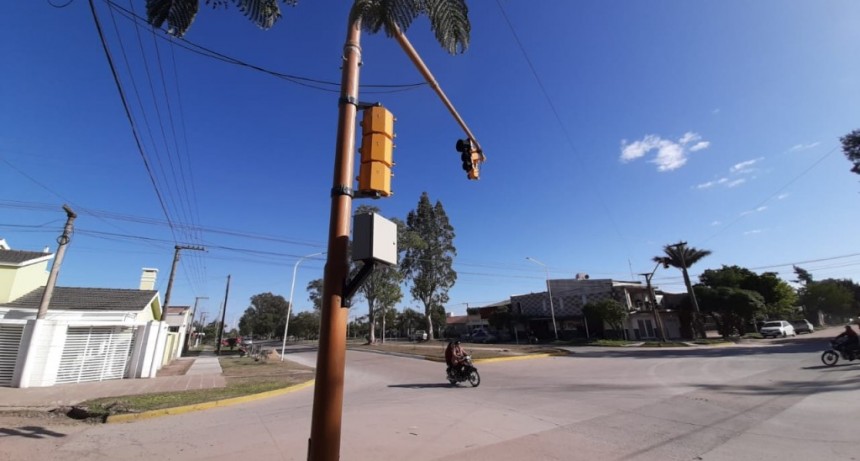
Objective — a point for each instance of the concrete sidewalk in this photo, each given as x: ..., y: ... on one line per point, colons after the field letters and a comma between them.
x: 204, y: 373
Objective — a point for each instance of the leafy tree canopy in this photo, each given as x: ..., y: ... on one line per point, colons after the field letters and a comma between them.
x: 608, y: 310
x: 428, y: 263
x: 733, y: 309
x: 265, y: 317
x: 851, y: 149
x: 778, y: 296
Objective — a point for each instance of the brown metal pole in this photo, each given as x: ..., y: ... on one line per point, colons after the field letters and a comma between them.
x: 63, y: 241
x: 324, y: 442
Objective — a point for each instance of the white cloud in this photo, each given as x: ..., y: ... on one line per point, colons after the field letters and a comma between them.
x: 700, y: 145
x: 757, y: 210
x: 781, y: 196
x: 736, y: 182
x: 639, y: 148
x: 716, y: 111
x: 754, y: 231
x: 713, y: 183
x: 743, y: 167
x: 671, y: 155
x: 716, y: 223
x: 800, y: 147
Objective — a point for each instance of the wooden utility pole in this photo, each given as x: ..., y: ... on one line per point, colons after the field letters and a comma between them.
x: 63, y: 240
x: 173, y: 273
x: 223, y: 314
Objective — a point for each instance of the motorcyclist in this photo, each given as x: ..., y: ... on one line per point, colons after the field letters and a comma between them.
x: 454, y: 355
x: 848, y: 338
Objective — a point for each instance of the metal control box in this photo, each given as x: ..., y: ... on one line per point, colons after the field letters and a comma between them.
x: 374, y: 238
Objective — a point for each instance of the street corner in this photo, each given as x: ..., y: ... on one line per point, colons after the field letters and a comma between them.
x: 132, y: 417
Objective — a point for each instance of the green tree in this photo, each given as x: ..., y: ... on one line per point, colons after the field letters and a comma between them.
x: 609, y: 311
x: 265, y: 317
x: 305, y: 325
x: 315, y: 288
x: 851, y: 149
x: 831, y: 297
x: 733, y: 309
x: 779, y: 297
x: 409, y: 320
x: 680, y: 256
x: 428, y: 264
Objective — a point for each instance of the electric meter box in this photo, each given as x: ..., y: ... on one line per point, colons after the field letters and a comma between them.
x: 374, y: 238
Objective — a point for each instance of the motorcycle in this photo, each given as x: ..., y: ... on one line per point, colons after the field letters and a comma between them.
x: 839, y: 348
x: 464, y: 372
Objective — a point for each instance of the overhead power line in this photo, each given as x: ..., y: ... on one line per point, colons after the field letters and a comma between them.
x: 318, y: 84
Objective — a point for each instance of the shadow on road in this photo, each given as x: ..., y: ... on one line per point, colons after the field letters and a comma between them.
x: 30, y: 432
x: 421, y: 386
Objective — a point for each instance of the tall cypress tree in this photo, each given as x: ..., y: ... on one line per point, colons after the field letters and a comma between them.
x: 428, y: 262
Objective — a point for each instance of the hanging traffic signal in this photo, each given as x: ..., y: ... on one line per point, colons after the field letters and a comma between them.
x: 470, y: 157
x: 377, y: 146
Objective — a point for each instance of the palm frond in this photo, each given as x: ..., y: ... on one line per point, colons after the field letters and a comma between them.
x: 179, y: 14
x: 263, y: 13
x: 449, y: 19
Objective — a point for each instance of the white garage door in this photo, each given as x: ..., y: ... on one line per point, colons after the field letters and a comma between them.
x: 95, y: 354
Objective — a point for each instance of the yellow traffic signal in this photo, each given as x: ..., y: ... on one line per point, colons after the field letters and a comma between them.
x: 377, y: 146
x: 470, y: 156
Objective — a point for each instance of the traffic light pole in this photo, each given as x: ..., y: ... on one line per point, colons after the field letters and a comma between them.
x: 327, y: 414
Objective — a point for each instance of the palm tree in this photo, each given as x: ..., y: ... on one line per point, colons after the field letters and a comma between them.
x: 449, y: 21
x: 680, y: 256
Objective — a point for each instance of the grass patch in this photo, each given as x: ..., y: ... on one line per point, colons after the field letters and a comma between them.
x: 436, y: 350
x: 244, y: 376
x: 611, y: 342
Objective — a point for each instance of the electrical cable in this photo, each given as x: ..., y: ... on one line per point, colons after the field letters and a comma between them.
x: 304, y: 81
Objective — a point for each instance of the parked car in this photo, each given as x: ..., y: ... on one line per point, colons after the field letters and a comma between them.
x: 419, y: 335
x: 482, y: 336
x: 776, y: 328
x: 802, y: 326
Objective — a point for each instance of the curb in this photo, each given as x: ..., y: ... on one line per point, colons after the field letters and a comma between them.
x: 131, y: 417
x: 520, y: 357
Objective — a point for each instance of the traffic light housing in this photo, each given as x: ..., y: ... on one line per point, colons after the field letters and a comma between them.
x: 470, y: 157
x: 377, y: 146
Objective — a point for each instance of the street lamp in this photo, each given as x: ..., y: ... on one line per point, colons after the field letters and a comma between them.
x: 290, y: 306
x: 549, y: 291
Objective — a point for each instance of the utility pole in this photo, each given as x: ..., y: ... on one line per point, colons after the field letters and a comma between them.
x: 223, y: 314
x: 193, y: 314
x: 173, y: 273
x: 63, y: 240
x: 549, y: 292
x: 653, y: 298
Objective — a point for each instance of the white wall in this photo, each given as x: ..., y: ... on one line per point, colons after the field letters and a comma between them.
x: 40, y: 353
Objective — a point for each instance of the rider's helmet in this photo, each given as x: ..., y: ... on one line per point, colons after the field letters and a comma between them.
x: 457, y: 342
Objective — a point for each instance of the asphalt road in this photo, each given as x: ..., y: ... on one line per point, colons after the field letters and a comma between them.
x: 771, y: 402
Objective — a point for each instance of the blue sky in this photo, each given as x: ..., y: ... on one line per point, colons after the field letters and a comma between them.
x: 611, y: 129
